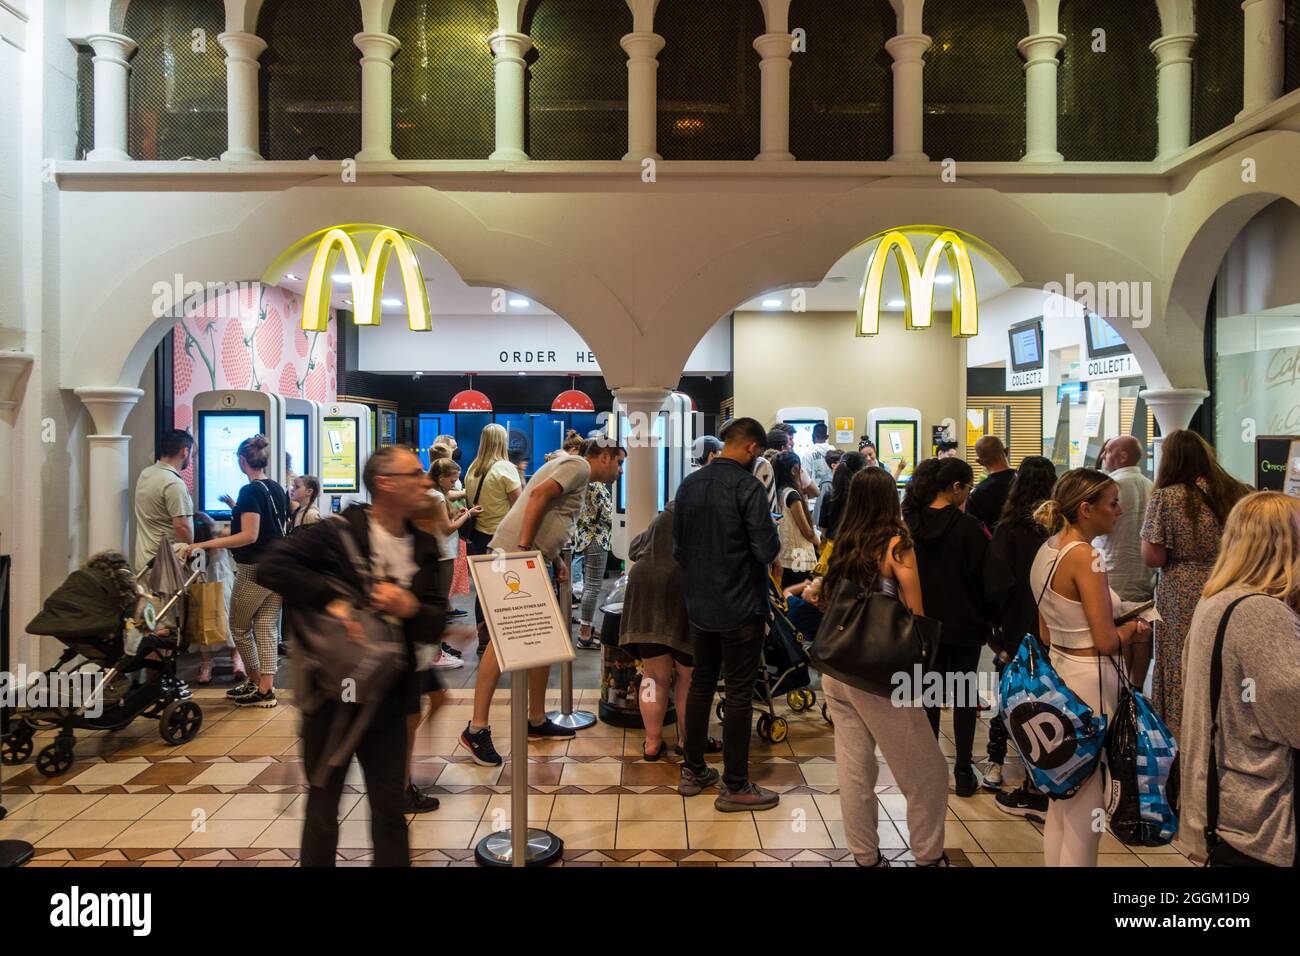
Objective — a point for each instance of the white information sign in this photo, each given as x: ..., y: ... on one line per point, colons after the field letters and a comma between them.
x: 1113, y: 366
x: 519, y: 606
x: 1024, y: 381
x: 1096, y: 404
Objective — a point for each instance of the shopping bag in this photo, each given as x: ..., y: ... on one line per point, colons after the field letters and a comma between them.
x: 206, y: 620
x: 1140, y: 753
x: 1057, y: 734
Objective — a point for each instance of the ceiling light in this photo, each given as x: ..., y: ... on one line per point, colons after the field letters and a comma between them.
x: 290, y: 275
x: 943, y: 280
x: 896, y: 304
x: 347, y: 301
x: 771, y: 303
x: 519, y: 303
x: 470, y: 400
x: 342, y: 277
x: 391, y: 302
x: 572, y: 399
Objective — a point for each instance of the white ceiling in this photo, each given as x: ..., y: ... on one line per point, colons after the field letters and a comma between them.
x: 841, y: 289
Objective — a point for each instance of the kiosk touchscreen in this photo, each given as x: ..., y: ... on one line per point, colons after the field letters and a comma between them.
x: 301, y: 435
x: 345, y: 444
x: 674, y: 436
x: 222, y: 421
x: 897, y: 434
x: 803, y: 419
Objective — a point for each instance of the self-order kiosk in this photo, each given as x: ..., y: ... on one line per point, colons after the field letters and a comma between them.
x: 345, y: 445
x: 674, y: 436
x: 222, y: 420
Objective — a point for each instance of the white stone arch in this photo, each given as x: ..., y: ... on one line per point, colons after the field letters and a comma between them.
x: 1210, y: 208
x: 819, y: 233
x: 120, y: 331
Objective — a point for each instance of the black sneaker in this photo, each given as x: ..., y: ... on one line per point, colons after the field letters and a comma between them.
x: 692, y: 783
x: 1022, y: 803
x: 457, y: 612
x: 240, y: 689
x: 256, y: 698
x: 449, y: 650
x: 749, y: 797
x: 417, y: 801
x: 480, y: 747
x: 880, y: 861
x: 549, y: 730
x: 967, y: 780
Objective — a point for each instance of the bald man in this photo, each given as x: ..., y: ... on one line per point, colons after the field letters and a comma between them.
x: 1121, y: 458
x: 990, y: 495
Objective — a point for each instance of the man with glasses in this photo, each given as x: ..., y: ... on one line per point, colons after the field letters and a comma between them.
x: 402, y: 565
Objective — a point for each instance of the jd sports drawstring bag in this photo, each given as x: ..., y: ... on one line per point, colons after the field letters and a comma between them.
x: 1139, y: 754
x: 1057, y: 734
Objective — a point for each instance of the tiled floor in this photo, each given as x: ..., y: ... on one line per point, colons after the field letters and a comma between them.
x: 234, y: 796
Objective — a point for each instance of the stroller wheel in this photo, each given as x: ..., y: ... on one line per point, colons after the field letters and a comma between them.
x: 800, y: 700
x: 15, y: 748
x: 764, y: 727
x: 720, y: 709
x: 180, y: 721
x: 55, y: 758
x: 826, y: 716
x: 777, y: 730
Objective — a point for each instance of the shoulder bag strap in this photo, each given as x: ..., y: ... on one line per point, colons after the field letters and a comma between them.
x: 359, y: 564
x: 1216, y: 686
x: 482, y: 479
x: 280, y: 517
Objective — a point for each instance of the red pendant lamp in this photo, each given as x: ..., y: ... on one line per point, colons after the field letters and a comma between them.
x: 573, y: 399
x: 470, y: 400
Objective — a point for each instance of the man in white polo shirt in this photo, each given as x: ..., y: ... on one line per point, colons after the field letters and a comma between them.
x: 162, y: 502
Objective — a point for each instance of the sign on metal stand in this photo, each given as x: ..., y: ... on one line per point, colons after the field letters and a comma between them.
x: 566, y: 716
x: 523, y: 620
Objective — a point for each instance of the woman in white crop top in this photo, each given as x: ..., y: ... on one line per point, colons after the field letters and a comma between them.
x: 1076, y: 613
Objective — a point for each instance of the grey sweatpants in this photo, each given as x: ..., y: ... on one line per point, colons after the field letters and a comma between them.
x: 863, y: 721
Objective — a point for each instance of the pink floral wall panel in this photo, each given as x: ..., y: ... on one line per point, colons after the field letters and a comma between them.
x: 251, y: 339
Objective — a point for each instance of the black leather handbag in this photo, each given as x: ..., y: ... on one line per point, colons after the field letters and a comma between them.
x: 866, y: 637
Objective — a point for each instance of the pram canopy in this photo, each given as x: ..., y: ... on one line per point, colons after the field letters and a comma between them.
x: 87, y: 606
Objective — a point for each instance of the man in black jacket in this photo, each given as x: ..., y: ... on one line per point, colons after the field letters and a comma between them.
x: 404, y: 562
x: 990, y: 495
x: 724, y: 539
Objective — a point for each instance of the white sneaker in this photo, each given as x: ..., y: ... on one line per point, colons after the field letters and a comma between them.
x: 992, y: 776
x: 446, y: 662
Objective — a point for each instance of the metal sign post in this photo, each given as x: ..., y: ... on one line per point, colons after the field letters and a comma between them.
x: 566, y: 716
x: 12, y: 852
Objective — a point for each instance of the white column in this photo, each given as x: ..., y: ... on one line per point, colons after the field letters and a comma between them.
x: 642, y: 94
x: 908, y: 51
x: 377, y: 51
x: 774, y: 67
x: 13, y: 374
x: 112, y: 50
x: 1174, y: 92
x: 509, y: 49
x: 242, y: 52
x: 109, y: 471
x: 1265, y: 54
x: 642, y: 406
x: 1040, y: 52
x: 1173, y: 409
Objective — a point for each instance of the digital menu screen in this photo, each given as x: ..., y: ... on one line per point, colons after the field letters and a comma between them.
x: 219, y: 435
x: 896, y: 444
x: 1103, y: 340
x: 295, y: 444
x: 339, y: 466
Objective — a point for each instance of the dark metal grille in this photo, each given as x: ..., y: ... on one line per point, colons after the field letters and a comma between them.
x: 176, y: 95
x: 85, y: 101
x: 709, y: 79
x: 1291, y: 22
x: 577, y: 80
x: 975, y: 80
x: 841, y: 91
x: 311, y: 79
x: 1216, y: 66
x: 1106, y: 90
x: 443, y: 87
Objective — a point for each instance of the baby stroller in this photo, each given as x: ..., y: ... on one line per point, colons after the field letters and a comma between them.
x: 97, y: 614
x: 783, y: 669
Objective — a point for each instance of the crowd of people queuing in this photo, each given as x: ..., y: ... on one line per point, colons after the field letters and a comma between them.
x: 1024, y: 552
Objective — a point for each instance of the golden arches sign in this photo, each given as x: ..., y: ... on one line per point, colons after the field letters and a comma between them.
x: 918, y: 282
x: 367, y: 278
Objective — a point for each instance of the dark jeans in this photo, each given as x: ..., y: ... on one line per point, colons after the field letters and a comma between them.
x: 382, y: 753
x: 476, y: 542
x: 963, y: 660
x: 735, y: 655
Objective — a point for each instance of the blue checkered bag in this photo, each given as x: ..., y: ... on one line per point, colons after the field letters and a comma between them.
x: 1057, y: 734
x: 1140, y: 752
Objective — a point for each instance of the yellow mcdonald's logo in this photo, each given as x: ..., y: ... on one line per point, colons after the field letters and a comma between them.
x: 367, y: 280
x: 918, y: 283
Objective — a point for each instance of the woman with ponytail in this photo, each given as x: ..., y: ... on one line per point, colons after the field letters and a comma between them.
x: 1076, y: 611
x: 950, y: 551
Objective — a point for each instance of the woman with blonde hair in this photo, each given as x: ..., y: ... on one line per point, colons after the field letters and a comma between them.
x: 491, y: 484
x: 1180, y: 535
x: 1243, y: 652
x: 1076, y: 618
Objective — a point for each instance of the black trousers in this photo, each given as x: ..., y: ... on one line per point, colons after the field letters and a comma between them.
x: 962, y: 660
x: 476, y: 542
x: 997, y: 749
x: 734, y: 655
x: 382, y: 753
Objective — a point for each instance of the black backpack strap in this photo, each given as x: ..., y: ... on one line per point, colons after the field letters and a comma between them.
x: 280, y: 517
x: 1216, y: 688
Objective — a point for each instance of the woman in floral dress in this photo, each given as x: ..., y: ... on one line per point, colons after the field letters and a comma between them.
x: 1180, y: 536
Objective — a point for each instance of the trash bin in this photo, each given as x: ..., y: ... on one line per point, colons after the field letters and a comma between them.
x: 620, y: 677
